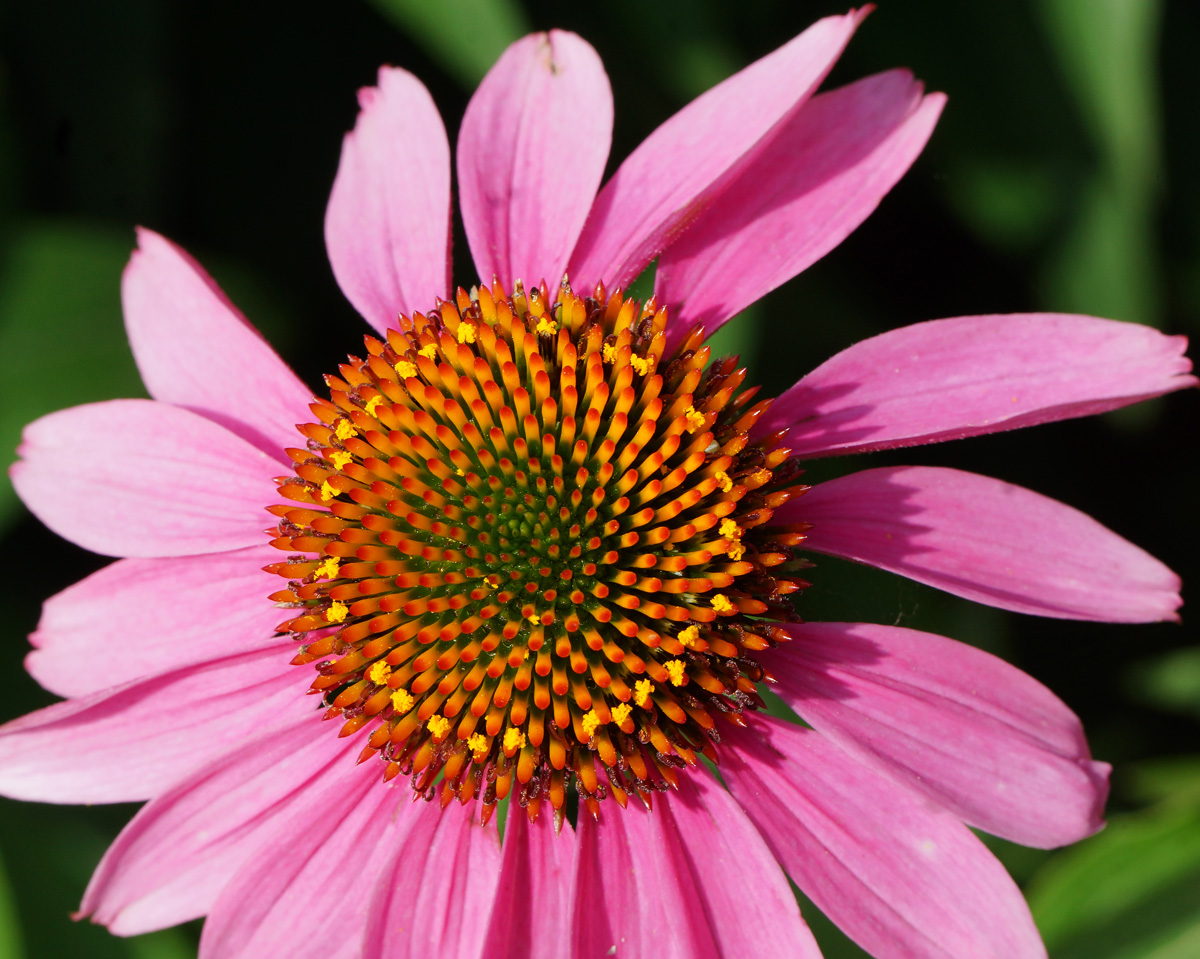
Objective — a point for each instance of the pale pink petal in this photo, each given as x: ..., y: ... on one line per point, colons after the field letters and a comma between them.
x: 964, y: 728
x: 305, y: 894
x: 531, y: 153
x: 131, y: 742
x: 531, y: 913
x: 435, y: 899
x: 140, y: 478
x: 141, y: 617
x: 988, y: 541
x: 387, y: 227
x: 799, y: 198
x: 195, y: 349
x: 172, y: 860
x: 691, y: 880
x: 901, y: 877
x: 668, y: 181
x: 946, y: 379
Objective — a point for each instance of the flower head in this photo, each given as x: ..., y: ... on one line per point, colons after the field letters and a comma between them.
x: 537, y: 544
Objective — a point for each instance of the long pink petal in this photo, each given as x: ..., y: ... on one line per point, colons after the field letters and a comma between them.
x: 824, y: 173
x: 387, y: 227
x: 682, y: 166
x: 986, y: 540
x: 946, y: 379
x: 691, y: 880
x: 172, y: 860
x: 902, y: 878
x: 140, y: 478
x: 531, y: 154
x: 531, y: 913
x: 964, y: 728
x: 305, y: 894
x: 132, y: 742
x: 434, y: 902
x: 195, y: 349
x: 141, y: 617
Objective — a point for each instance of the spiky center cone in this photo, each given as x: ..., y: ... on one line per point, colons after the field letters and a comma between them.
x: 531, y: 552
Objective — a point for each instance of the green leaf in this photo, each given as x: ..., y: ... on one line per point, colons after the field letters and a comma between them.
x: 1170, y: 681
x: 10, y: 927
x: 465, y: 36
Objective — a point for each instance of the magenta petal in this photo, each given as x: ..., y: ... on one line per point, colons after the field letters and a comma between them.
x: 531, y: 153
x: 797, y: 199
x: 530, y: 917
x: 387, y: 227
x: 140, y: 478
x: 902, y: 878
x: 946, y: 379
x: 676, y: 172
x: 986, y: 540
x: 434, y: 901
x: 691, y: 880
x: 194, y: 349
x: 172, y: 860
x: 964, y: 728
x: 142, y: 617
x: 132, y: 742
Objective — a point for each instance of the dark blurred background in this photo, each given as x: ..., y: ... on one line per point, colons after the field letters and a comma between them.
x: 1065, y: 175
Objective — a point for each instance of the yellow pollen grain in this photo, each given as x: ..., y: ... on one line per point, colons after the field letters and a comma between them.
x: 641, y: 692
x: 328, y: 568
x: 379, y: 672
x: 340, y: 459
x: 429, y: 351
x: 723, y: 481
x: 514, y: 739
x: 730, y: 529
x: 402, y: 701
x: 344, y: 430
x: 608, y: 353
x: 465, y: 333
x: 695, y: 419
x: 689, y: 636
x: 478, y: 744
x: 621, y: 712
x: 373, y: 403
x: 327, y: 492
x: 675, y: 667
x: 336, y: 612
x: 406, y: 369
x: 641, y: 364
x: 590, y: 722
x: 439, y: 726
x: 721, y: 603
x: 735, y: 551
x: 547, y: 325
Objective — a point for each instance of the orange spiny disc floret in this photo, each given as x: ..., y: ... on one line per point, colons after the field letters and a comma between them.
x: 532, y: 553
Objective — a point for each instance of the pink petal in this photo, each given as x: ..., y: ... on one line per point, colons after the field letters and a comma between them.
x: 530, y: 916
x: 797, y: 199
x: 956, y: 724
x: 304, y: 894
x: 946, y: 379
x: 904, y: 879
x: 140, y: 478
x: 195, y: 349
x: 387, y: 227
x: 986, y: 540
x: 142, y: 617
x: 531, y: 154
x: 691, y: 880
x: 434, y: 902
x: 682, y: 166
x: 172, y: 860
x: 132, y: 742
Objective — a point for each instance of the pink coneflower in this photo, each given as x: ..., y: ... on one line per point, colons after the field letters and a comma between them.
x: 536, y: 545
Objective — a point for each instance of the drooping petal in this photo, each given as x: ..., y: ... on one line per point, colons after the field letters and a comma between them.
x: 140, y: 478
x: 531, y: 153
x: 304, y: 894
x: 964, y: 728
x: 387, y: 227
x: 143, y: 617
x: 691, y: 880
x: 947, y: 379
x: 988, y: 541
x: 435, y: 904
x: 664, y: 185
x: 195, y: 349
x: 531, y: 913
x: 172, y: 860
x: 131, y: 742
x: 797, y: 199
x: 902, y: 878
